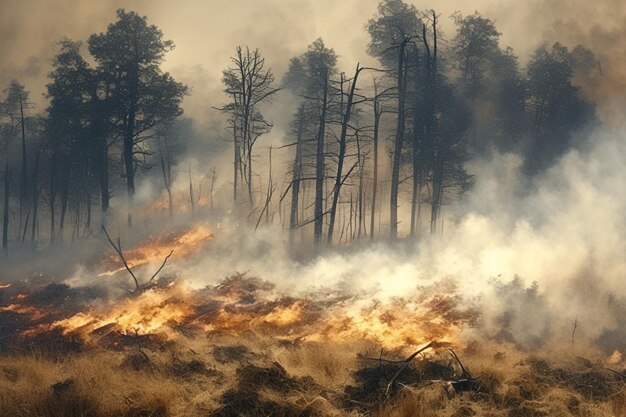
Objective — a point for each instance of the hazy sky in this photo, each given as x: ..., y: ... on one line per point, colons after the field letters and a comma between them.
x: 206, y: 32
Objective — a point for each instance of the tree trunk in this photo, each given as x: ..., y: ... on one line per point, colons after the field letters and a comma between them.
x: 23, y: 185
x: 191, y: 196
x: 5, y: 212
x: 343, y: 139
x: 165, y: 170
x: 128, y: 141
x: 319, y: 168
x: 377, y: 115
x: 212, y: 187
x: 296, y: 176
x: 53, y: 194
x: 235, y: 166
x: 65, y: 185
x: 35, y: 197
x: 397, y: 149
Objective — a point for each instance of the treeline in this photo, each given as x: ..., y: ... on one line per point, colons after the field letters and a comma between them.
x: 103, y: 124
x: 363, y: 143
x: 430, y: 106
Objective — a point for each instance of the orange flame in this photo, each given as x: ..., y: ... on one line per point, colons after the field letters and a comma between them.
x: 240, y: 305
x: 183, y: 244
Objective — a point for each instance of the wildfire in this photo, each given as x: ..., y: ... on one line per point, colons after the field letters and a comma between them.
x: 242, y: 304
x: 183, y: 244
x: 152, y: 311
x: 239, y: 304
x: 32, y: 312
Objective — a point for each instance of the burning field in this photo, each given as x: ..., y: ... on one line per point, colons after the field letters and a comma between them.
x: 243, y: 346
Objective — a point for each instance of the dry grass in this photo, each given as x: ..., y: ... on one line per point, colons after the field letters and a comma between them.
x: 249, y: 375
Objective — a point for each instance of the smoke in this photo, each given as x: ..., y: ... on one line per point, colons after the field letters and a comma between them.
x: 207, y: 32
x: 534, y: 258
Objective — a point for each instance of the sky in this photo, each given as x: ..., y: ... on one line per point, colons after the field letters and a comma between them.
x: 206, y: 32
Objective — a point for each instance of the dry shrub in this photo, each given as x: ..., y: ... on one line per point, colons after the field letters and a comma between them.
x: 330, y: 368
x: 258, y: 375
x: 91, y: 385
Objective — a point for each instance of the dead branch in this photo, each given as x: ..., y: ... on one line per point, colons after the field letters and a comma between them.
x: 616, y: 373
x: 161, y: 267
x: 118, y: 249
x: 120, y: 253
x: 406, y: 363
x: 465, y: 371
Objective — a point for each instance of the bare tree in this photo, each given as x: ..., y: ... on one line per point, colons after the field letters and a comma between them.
x: 249, y: 84
x: 343, y: 138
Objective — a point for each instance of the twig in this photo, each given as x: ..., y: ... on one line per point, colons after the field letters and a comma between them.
x: 161, y: 267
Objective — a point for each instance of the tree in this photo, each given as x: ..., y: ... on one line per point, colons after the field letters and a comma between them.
x: 309, y: 76
x: 497, y: 106
x: 249, y: 84
x: 343, y: 138
x: 130, y: 53
x: 391, y: 32
x: 297, y: 170
x: 68, y: 117
x: 14, y: 106
x: 555, y: 105
x: 476, y: 42
x: 170, y: 147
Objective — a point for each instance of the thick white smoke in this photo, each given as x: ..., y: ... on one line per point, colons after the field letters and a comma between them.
x: 562, y: 234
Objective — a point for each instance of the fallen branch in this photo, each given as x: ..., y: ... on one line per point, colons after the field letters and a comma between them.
x: 465, y: 371
x: 406, y: 361
x: 616, y: 373
x: 466, y: 382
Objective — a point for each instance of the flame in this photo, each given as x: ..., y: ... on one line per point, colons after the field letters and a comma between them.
x: 34, y: 313
x: 240, y: 304
x: 182, y: 244
x: 155, y: 310
x: 3, y: 286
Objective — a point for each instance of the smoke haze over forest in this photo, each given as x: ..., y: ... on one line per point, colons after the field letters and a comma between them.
x: 205, y: 32
x: 355, y: 176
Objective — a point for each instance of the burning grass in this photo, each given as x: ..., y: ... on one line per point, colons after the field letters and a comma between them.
x: 183, y: 243
x: 241, y: 348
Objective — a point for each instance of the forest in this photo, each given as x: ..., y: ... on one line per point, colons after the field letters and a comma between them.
x: 371, y: 152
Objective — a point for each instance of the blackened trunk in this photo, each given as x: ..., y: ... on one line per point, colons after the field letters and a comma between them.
x: 5, y: 212
x: 377, y: 115
x: 23, y: 185
x: 296, y: 176
x: 35, y: 184
x: 343, y: 138
x: 319, y: 167
x: 397, y: 149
